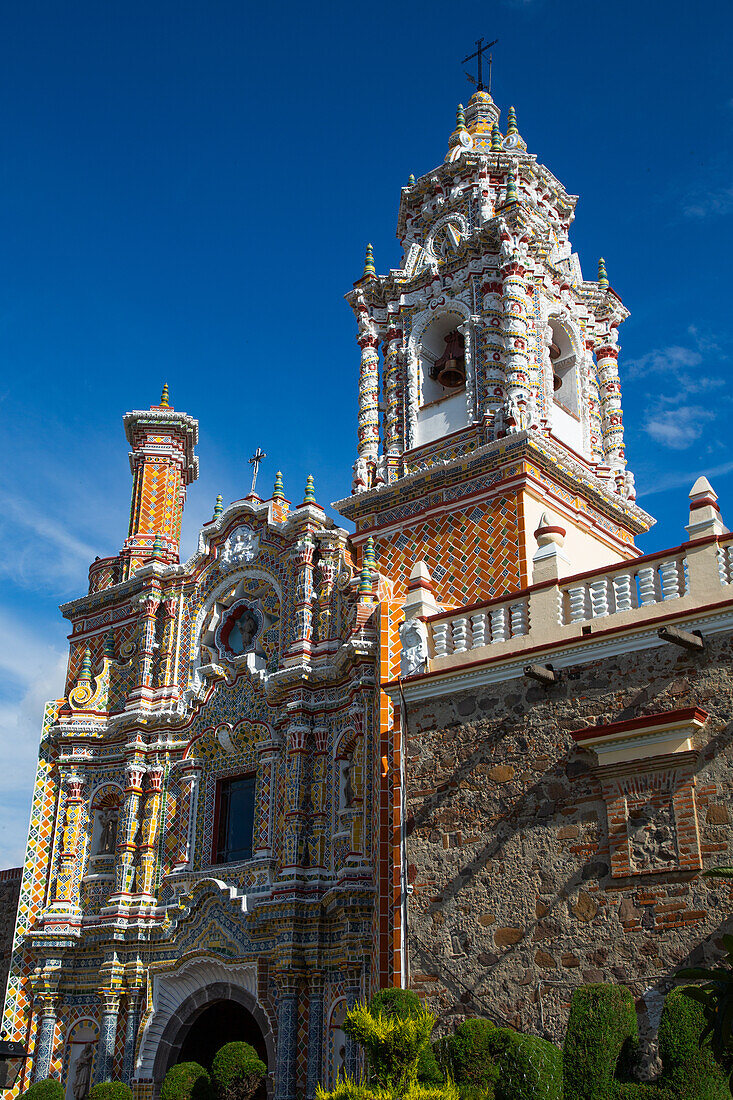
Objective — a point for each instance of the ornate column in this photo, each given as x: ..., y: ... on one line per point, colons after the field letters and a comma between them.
x: 392, y: 351
x: 107, y: 1034
x: 315, y: 1033
x: 610, y: 387
x: 302, y: 556
x: 132, y: 1023
x: 368, y: 440
x: 149, y: 831
x: 67, y: 881
x: 268, y: 752
x: 165, y: 676
x: 128, y: 830
x: 330, y: 546
x: 149, y: 608
x: 187, y: 816
x: 467, y: 330
x: 319, y: 788
x: 297, y: 748
x: 593, y: 398
x: 353, y: 995
x: 46, y: 1005
x: 287, y: 1036
x: 491, y: 386
x: 518, y: 405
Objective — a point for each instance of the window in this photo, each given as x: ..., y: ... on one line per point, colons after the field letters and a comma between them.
x: 235, y: 808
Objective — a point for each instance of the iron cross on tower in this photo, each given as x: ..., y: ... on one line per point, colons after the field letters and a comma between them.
x: 255, y: 464
x: 479, y: 54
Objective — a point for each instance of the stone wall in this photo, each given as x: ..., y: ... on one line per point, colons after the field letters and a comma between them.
x: 513, y: 902
x: 9, y: 891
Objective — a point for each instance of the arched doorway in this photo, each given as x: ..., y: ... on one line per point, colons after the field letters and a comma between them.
x: 219, y: 1023
x: 212, y: 1016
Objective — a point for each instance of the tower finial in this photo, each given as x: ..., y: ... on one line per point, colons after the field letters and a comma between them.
x: 511, y: 119
x: 511, y: 188
x: 108, y: 645
x: 310, y: 491
x: 278, y: 490
x: 411, y: 180
x: 370, y: 272
x: 495, y: 139
x: 164, y: 397
x: 85, y: 672
x: 602, y: 274
x: 218, y: 507
x: 366, y: 575
x: 460, y: 118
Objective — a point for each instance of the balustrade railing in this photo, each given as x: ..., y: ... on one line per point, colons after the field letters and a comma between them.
x: 485, y: 626
x: 623, y: 589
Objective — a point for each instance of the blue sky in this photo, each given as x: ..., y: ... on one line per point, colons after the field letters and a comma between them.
x: 187, y: 189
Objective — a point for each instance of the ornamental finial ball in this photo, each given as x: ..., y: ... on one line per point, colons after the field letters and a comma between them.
x: 460, y: 118
x: 310, y: 492
x: 511, y: 188
x: 411, y: 179
x: 164, y: 397
x: 602, y: 274
x: 495, y: 139
x: 278, y: 491
x: 108, y: 647
x: 367, y: 569
x: 369, y: 269
x: 511, y: 121
x: 85, y: 672
x: 218, y: 507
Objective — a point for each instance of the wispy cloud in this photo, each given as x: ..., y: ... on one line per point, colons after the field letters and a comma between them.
x: 709, y: 204
x: 684, y: 479
x: 42, y: 551
x: 679, y: 427
x: 33, y: 672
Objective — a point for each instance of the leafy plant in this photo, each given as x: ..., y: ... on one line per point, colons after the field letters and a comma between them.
x: 529, y: 1068
x: 110, y: 1090
x: 467, y: 1058
x: 403, y: 1003
x: 602, y: 1026
x: 237, y: 1071
x: 44, y: 1090
x: 347, y: 1089
x: 393, y: 1044
x: 187, y: 1081
x: 715, y: 996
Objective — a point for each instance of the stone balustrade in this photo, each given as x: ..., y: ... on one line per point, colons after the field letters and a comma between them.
x: 629, y: 594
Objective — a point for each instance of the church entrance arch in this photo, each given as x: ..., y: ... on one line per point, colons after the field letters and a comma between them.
x: 212, y: 1016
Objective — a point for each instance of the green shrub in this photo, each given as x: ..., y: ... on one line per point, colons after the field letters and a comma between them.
x: 403, y: 1003
x: 601, y: 1026
x: 467, y: 1058
x: 353, y: 1090
x: 529, y: 1068
x: 110, y: 1090
x: 44, y: 1090
x: 187, y: 1081
x: 392, y: 1043
x: 688, y: 1069
x: 237, y: 1071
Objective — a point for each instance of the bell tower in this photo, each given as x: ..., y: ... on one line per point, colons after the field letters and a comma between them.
x: 497, y: 362
x: 163, y: 464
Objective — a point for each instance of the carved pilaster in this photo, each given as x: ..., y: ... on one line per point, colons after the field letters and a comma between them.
x: 516, y: 356
x: 610, y: 389
x: 149, y: 831
x: 187, y: 817
x: 315, y: 1033
x: 368, y: 446
x: 67, y: 880
x: 46, y: 1007
x: 132, y: 1022
x: 268, y: 752
x: 128, y: 829
x: 110, y: 1005
x: 298, y: 732
x: 287, y: 1037
x: 392, y: 373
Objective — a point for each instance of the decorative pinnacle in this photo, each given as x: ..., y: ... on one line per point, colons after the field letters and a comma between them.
x: 511, y: 119
x: 310, y: 492
x: 85, y: 672
x: 158, y: 547
x: 218, y: 507
x: 367, y: 569
x: 495, y: 139
x: 602, y: 274
x: 411, y: 180
x: 460, y: 118
x: 109, y: 644
x: 164, y: 397
x: 278, y: 490
x: 370, y: 272
x: 511, y: 188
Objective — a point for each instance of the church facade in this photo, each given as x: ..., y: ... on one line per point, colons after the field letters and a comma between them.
x: 444, y: 751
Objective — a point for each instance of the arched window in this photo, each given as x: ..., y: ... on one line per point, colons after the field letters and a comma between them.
x: 441, y: 378
x: 566, y: 423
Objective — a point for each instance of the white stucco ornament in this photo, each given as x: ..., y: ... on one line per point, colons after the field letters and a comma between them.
x: 241, y: 546
x: 414, y: 640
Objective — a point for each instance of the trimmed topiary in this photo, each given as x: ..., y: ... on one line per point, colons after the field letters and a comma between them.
x: 466, y: 1056
x: 402, y: 1004
x: 688, y: 1069
x: 110, y: 1090
x: 187, y: 1081
x: 44, y: 1090
x: 528, y: 1067
x: 393, y: 1044
x: 237, y: 1071
x: 601, y: 1026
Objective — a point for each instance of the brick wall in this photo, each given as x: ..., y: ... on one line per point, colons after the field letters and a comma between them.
x: 513, y: 902
x: 9, y: 891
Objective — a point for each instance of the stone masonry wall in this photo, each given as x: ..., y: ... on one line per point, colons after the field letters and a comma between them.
x: 513, y: 903
x: 9, y: 891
